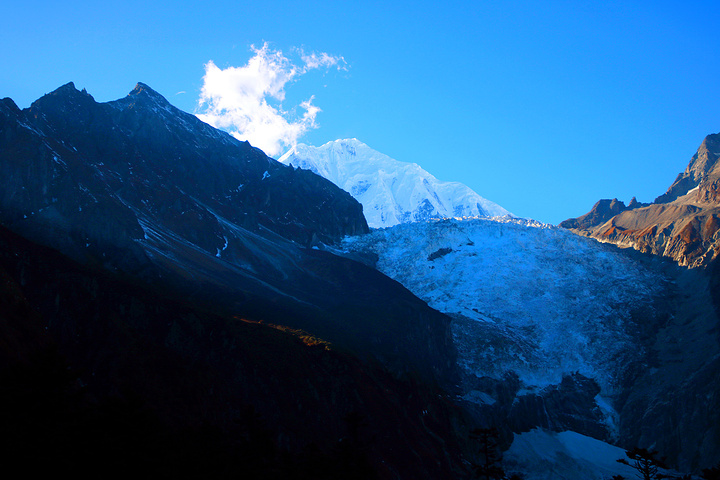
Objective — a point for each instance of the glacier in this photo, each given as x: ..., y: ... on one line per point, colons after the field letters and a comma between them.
x: 533, y: 306
x: 526, y: 297
x: 391, y: 192
x: 539, y: 316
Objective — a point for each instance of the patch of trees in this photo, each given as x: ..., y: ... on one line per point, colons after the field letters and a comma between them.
x: 490, y: 464
x: 649, y: 466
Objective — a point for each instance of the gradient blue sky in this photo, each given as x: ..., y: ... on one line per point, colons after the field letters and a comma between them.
x: 543, y: 107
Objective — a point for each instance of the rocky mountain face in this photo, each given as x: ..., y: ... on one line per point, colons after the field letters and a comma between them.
x: 390, y: 191
x: 671, y: 400
x: 702, y: 173
x: 201, y: 263
x: 139, y: 187
x: 677, y: 393
x: 681, y: 224
x: 141, y: 153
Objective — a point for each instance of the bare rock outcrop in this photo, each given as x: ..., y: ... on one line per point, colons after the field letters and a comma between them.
x: 682, y: 223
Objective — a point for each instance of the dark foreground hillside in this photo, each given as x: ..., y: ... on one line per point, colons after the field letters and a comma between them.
x: 103, y: 377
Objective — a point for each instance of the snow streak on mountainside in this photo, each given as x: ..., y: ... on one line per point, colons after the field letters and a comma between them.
x: 390, y: 191
x: 528, y: 298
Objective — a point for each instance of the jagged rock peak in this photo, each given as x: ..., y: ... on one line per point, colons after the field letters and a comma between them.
x: 703, y: 166
x: 705, y: 161
x: 64, y: 101
x: 143, y: 90
x: 69, y: 90
x: 9, y: 104
x: 601, y: 212
x: 681, y: 224
x: 70, y: 86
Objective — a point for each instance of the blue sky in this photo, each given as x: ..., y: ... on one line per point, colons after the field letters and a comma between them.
x: 543, y: 107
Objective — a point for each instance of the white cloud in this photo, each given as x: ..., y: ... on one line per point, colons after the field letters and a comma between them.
x: 236, y: 99
x: 318, y: 60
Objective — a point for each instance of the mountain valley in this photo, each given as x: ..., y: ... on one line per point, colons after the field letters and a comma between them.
x: 176, y: 301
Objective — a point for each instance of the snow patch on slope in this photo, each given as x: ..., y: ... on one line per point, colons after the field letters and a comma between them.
x: 390, y: 191
x: 543, y: 455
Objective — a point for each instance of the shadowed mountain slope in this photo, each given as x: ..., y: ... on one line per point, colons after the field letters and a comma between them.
x: 102, y: 375
x: 140, y: 187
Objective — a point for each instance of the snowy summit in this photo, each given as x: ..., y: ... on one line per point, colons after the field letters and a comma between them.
x: 391, y: 192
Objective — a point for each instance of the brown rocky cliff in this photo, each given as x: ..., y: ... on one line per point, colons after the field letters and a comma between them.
x: 703, y: 166
x: 681, y: 224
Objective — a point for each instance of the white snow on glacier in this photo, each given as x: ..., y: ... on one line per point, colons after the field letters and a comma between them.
x: 526, y: 297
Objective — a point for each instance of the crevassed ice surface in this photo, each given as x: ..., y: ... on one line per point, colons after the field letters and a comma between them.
x: 528, y: 297
x: 390, y: 191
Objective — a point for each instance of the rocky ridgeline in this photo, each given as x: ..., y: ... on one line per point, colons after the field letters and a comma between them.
x: 68, y: 159
x: 681, y: 224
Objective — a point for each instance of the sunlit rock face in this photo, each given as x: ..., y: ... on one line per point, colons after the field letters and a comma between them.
x: 681, y: 224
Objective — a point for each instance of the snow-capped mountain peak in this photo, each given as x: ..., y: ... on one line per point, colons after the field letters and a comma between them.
x: 391, y: 191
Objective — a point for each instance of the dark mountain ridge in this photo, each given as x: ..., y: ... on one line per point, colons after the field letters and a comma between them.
x: 201, y: 265
x: 138, y: 186
x: 142, y: 149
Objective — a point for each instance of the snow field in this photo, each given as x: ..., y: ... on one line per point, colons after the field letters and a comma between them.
x: 390, y: 191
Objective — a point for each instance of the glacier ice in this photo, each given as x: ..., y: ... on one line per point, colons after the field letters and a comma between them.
x: 525, y: 297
